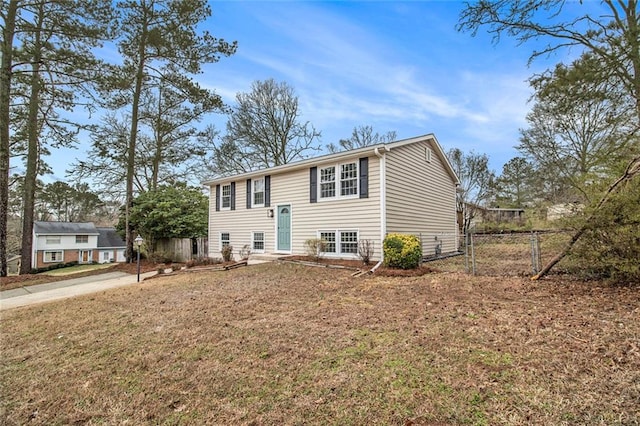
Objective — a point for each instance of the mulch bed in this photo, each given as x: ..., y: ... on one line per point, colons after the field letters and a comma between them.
x: 358, y: 265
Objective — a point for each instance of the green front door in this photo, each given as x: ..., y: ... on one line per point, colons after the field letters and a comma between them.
x: 284, y: 228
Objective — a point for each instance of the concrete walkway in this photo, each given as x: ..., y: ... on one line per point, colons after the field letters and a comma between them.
x: 41, y: 293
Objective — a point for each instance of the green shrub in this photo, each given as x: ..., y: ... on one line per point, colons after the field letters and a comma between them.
x: 54, y: 266
x: 402, y: 251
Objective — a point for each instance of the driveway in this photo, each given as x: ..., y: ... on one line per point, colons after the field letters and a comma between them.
x: 40, y: 293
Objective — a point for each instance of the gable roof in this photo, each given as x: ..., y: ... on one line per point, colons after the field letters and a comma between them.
x: 339, y: 156
x: 62, y: 228
x: 109, y: 238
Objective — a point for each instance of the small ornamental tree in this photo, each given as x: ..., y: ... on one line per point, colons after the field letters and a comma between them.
x: 402, y: 251
x: 171, y: 211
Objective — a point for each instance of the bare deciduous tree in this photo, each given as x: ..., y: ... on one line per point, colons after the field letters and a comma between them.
x: 264, y: 130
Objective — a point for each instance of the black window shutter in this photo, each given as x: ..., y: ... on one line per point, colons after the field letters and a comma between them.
x: 364, y: 177
x: 233, y: 195
x: 217, y: 198
x: 313, y: 185
x: 248, y: 193
x: 267, y: 191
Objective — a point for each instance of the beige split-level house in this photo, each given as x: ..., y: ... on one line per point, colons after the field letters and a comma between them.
x: 407, y: 186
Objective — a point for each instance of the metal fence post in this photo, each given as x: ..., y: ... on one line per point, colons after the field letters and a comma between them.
x: 473, y: 256
x: 538, y: 254
x: 466, y: 252
x: 534, y: 267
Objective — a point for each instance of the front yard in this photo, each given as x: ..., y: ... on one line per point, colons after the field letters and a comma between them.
x: 292, y: 344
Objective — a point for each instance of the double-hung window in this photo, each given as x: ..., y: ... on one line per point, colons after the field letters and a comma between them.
x: 258, y: 192
x: 340, y: 242
x: 226, y: 196
x: 349, y: 242
x: 82, y: 239
x: 225, y: 239
x: 348, y: 179
x: 53, y: 256
x: 328, y: 182
x: 339, y: 181
x: 257, y: 243
x: 329, y: 238
x: 53, y: 239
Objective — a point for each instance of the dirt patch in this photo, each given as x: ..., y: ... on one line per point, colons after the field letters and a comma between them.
x: 283, y: 343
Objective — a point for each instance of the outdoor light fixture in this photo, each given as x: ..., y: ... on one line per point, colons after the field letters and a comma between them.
x: 270, y: 213
x: 138, y: 241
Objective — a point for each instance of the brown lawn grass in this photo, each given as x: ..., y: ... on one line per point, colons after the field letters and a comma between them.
x: 292, y: 344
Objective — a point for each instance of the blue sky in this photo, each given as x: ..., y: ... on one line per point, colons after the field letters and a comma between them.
x: 398, y: 66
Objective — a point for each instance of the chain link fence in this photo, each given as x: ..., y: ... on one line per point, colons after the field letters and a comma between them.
x: 503, y: 254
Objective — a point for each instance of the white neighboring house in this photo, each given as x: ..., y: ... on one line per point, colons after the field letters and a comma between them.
x: 111, y: 247
x: 63, y: 242
x: 407, y: 186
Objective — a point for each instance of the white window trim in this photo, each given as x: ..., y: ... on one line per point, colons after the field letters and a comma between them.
x: 82, y: 242
x: 338, y: 182
x: 253, y: 192
x: 220, y: 238
x: 44, y: 256
x: 338, y: 233
x: 253, y: 240
x: 222, y: 207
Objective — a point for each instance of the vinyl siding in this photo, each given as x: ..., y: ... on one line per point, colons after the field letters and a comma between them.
x: 421, y: 197
x: 292, y: 187
x: 239, y: 223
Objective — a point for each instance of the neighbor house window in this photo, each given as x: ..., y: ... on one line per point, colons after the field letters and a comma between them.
x: 82, y: 239
x: 226, y: 196
x: 225, y: 239
x: 258, y: 241
x: 328, y: 182
x: 340, y: 242
x: 106, y: 256
x: 53, y: 256
x: 348, y: 179
x: 53, y: 239
x: 258, y: 192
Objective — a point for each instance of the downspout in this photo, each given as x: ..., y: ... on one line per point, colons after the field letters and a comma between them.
x: 383, y: 201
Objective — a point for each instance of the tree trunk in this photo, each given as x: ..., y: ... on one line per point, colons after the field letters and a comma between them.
x: 6, y: 57
x: 131, y: 151
x: 33, y: 132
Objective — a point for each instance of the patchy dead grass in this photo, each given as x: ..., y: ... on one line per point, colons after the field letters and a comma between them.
x: 291, y: 344
x: 16, y: 281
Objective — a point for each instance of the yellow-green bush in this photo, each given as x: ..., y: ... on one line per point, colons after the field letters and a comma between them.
x: 402, y: 251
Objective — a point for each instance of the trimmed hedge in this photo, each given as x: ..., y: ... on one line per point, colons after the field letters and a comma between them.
x: 54, y: 266
x: 402, y: 251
